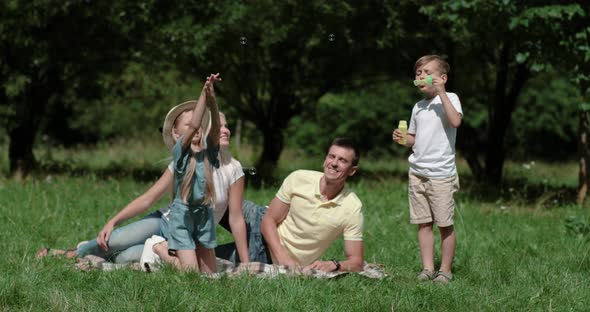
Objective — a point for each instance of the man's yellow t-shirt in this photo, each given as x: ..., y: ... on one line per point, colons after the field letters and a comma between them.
x: 312, y: 224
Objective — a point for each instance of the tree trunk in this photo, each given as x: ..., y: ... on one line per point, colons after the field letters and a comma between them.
x: 469, y: 144
x: 583, y: 155
x: 33, y: 105
x: 504, y: 103
x: 494, y: 157
x: 22, y: 138
x: 272, y: 147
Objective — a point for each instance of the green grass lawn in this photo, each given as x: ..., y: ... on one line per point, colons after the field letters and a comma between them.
x: 513, y: 252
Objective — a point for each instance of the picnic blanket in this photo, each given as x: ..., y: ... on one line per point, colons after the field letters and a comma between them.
x: 229, y: 269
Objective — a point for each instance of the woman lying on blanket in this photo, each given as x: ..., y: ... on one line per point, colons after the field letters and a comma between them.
x: 126, y: 244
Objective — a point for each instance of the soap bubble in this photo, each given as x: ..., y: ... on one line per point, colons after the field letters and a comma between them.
x: 249, y: 170
x: 243, y: 40
x: 331, y: 37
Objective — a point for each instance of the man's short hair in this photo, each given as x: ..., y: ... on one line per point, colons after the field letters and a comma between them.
x: 347, y: 143
x: 443, y: 65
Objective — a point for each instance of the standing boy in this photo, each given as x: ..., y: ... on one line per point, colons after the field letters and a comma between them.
x: 433, y: 175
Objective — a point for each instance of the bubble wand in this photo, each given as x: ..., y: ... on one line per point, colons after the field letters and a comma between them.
x: 422, y: 82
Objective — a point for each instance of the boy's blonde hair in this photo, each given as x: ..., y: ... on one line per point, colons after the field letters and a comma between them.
x: 443, y: 65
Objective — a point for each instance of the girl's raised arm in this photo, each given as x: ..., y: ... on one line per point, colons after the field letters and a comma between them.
x: 212, y: 104
x: 206, y: 94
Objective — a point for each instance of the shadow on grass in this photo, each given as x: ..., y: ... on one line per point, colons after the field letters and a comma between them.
x: 146, y: 173
x: 117, y: 171
x: 512, y: 189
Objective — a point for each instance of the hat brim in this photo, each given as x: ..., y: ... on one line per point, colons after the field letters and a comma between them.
x: 171, y: 118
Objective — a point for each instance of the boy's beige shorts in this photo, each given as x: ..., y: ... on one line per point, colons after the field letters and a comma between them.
x: 432, y: 199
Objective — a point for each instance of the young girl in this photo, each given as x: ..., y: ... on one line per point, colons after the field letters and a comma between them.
x: 126, y: 244
x: 191, y: 229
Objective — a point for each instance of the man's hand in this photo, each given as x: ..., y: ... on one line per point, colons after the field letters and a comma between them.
x: 326, y: 266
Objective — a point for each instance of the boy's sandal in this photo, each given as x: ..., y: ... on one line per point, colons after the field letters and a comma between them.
x: 425, y: 275
x: 443, y: 277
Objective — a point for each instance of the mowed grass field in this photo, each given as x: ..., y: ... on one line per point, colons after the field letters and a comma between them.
x: 520, y: 247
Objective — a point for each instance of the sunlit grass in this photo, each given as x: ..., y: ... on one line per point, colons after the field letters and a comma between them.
x: 508, y: 258
x: 513, y: 252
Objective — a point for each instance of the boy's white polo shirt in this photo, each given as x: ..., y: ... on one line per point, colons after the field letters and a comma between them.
x: 311, y: 224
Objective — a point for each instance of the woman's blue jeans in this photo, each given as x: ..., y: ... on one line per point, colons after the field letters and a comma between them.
x: 126, y: 242
x: 257, y: 248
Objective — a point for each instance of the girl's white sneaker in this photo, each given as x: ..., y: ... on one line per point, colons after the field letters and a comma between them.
x: 150, y: 261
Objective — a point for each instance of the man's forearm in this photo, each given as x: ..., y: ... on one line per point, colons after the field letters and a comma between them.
x: 273, y: 241
x: 351, y: 265
x: 354, y: 251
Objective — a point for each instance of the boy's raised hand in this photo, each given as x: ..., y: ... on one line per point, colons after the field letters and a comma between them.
x: 438, y: 82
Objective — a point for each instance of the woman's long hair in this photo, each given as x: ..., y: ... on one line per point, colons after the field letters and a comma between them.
x: 227, y: 163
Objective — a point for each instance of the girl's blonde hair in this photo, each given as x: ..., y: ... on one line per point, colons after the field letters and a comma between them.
x: 186, y: 186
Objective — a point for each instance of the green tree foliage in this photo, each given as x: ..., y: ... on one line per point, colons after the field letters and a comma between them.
x: 565, y: 29
x: 137, y: 100
x: 53, y: 53
x: 319, y: 69
x: 368, y: 116
x: 279, y: 57
x: 496, y: 51
x: 545, y: 120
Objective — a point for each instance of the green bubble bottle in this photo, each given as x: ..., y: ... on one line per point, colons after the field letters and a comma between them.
x: 403, y: 128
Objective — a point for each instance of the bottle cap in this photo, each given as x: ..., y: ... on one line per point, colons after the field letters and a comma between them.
x: 402, y: 124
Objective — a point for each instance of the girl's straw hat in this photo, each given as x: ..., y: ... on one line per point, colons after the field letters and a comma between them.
x: 174, y: 113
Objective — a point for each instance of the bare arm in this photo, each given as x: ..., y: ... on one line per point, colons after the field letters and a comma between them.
x: 353, y: 250
x: 195, y: 123
x: 212, y: 104
x: 275, y: 214
x: 236, y: 219
x: 453, y: 116
x: 136, y: 207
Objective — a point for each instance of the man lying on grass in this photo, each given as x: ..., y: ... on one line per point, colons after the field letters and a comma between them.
x: 310, y: 210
